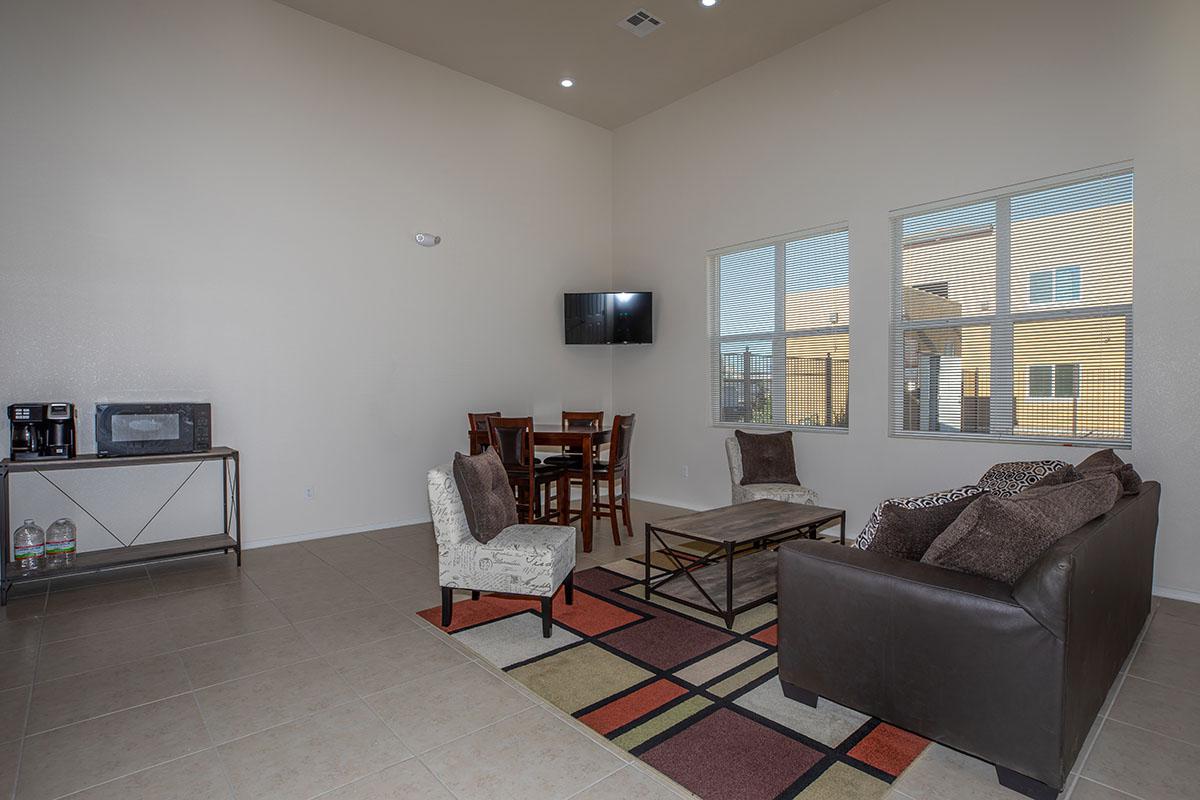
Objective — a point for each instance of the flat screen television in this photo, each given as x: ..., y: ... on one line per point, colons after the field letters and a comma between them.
x: 609, y: 317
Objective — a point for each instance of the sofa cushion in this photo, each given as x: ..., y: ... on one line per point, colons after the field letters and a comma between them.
x: 1010, y: 477
x: 1000, y: 537
x: 1106, y: 462
x: 487, y: 497
x: 924, y: 501
x: 907, y: 532
x: 767, y: 458
x: 1067, y: 474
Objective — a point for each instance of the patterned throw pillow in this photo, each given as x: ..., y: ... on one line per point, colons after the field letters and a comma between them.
x: 1005, y: 480
x: 924, y: 501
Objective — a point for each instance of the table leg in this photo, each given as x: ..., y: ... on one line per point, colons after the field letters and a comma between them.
x: 586, y: 502
x: 647, y: 560
x: 729, y: 585
x: 4, y: 585
x: 237, y: 502
x: 842, y: 519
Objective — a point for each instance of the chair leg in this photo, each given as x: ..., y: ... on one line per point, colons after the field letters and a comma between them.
x: 564, y: 500
x: 625, y: 502
x: 612, y: 508
x: 447, y: 606
x: 475, y: 594
x: 569, y: 587
x: 547, y: 616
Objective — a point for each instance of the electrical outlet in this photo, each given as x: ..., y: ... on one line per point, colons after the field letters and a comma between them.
x: 685, y: 470
x: 309, y: 493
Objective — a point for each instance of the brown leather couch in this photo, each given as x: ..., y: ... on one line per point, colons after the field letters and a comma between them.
x: 1012, y: 675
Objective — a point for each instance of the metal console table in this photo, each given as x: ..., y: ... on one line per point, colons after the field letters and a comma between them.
x: 128, y: 552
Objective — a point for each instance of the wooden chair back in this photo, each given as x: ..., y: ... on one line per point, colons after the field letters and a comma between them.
x: 512, y: 439
x: 622, y: 438
x: 477, y: 423
x: 581, y: 420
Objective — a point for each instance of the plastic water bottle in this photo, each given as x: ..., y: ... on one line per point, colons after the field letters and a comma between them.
x: 60, y: 544
x: 29, y: 547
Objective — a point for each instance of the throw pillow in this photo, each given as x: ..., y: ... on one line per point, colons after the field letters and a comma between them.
x: 1067, y: 474
x: 486, y: 496
x: 924, y: 501
x: 767, y: 458
x: 1005, y: 480
x: 1001, y: 537
x: 1106, y: 462
x: 908, y: 532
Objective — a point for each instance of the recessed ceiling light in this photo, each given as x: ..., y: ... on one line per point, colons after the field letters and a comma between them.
x: 567, y: 83
x: 709, y: 3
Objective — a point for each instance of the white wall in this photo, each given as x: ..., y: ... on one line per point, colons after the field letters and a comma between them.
x: 216, y: 200
x: 917, y: 101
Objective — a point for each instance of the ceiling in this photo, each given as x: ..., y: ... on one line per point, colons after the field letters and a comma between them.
x: 527, y: 46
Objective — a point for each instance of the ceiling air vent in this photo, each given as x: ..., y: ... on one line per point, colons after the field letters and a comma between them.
x: 640, y: 23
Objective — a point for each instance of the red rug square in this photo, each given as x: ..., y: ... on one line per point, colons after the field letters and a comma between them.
x: 889, y: 748
x: 626, y: 709
x: 726, y: 756
x: 589, y: 615
x: 770, y: 636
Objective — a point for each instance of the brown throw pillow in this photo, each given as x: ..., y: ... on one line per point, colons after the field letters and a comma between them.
x: 908, y: 532
x: 767, y: 458
x: 1067, y: 474
x: 1106, y: 462
x: 486, y: 496
x: 1001, y: 537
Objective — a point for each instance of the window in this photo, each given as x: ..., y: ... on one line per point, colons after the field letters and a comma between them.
x: 1053, y: 381
x: 1060, y: 285
x: 780, y: 331
x: 1007, y: 300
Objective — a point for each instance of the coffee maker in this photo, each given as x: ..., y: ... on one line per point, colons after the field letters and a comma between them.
x: 42, y: 431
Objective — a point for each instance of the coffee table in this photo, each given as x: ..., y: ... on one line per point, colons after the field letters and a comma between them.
x: 738, y: 572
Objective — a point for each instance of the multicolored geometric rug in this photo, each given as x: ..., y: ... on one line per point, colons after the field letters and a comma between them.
x: 672, y: 686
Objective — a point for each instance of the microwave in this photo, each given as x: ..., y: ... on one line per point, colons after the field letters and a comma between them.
x: 151, y: 429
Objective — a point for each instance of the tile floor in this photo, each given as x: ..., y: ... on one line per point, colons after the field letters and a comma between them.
x: 292, y: 679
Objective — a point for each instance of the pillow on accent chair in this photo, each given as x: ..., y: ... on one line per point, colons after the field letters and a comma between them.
x: 487, y: 498
x: 1106, y: 462
x: 1001, y: 537
x: 907, y: 532
x: 767, y: 458
x: 1005, y: 480
x: 924, y: 501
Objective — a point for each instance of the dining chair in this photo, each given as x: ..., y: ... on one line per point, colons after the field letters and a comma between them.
x: 616, y: 468
x: 574, y: 421
x: 512, y: 439
x: 477, y: 423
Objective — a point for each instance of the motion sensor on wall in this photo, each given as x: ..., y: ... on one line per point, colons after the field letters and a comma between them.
x: 428, y: 239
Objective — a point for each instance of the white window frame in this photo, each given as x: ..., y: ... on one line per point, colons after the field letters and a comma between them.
x: 1001, y: 321
x: 778, y: 336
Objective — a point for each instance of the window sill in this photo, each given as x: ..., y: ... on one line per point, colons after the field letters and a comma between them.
x: 760, y: 426
x: 1052, y: 441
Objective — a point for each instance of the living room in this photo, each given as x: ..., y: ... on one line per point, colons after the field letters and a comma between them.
x: 314, y: 236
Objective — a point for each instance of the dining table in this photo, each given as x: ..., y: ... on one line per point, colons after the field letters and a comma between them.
x: 584, y: 440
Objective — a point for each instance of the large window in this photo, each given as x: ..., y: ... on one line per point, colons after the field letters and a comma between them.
x: 1013, y: 314
x: 780, y: 326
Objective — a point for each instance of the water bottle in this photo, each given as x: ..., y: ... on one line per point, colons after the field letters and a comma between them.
x: 29, y: 547
x: 60, y: 544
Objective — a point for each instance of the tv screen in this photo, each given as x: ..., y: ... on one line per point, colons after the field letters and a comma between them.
x: 609, y: 317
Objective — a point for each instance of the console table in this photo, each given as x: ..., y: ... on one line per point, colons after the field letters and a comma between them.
x: 127, y: 552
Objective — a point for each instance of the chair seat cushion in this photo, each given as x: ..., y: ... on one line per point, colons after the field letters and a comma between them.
x: 786, y: 492
x: 521, y: 559
x: 565, y: 460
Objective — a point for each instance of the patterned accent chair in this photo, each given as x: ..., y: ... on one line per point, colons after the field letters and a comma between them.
x: 531, y: 560
x: 787, y: 492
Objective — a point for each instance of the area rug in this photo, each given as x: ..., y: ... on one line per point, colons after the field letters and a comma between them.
x: 701, y: 704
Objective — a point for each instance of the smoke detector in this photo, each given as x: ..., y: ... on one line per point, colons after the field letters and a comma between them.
x: 640, y: 23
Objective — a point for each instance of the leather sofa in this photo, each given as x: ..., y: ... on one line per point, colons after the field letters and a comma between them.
x: 1014, y: 675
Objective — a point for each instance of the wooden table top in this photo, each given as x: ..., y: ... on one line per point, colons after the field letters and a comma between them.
x: 745, y: 522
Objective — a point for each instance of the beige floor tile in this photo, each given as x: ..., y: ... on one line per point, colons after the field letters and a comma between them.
x: 99, y: 618
x: 1159, y: 708
x: 625, y: 784
x: 87, y: 653
x: 103, y: 594
x: 10, y: 754
x: 430, y: 711
x: 1170, y: 631
x: 255, y: 703
x: 353, y: 628
x: 1090, y: 790
x: 22, y: 608
x: 78, y: 756
x: 395, y: 585
x: 79, y: 697
x: 224, y: 624
x: 208, y: 599
x: 944, y: 774
x: 410, y: 604
x: 17, y: 666
x: 86, y: 579
x: 290, y: 557
x: 283, y: 582
x: 244, y: 655
x: 311, y: 755
x: 556, y: 761
x: 197, y: 576
x: 390, y: 662
x: 409, y: 779
x: 1165, y: 665
x: 322, y: 600
x: 1190, y: 612
x: 1143, y: 763
x: 195, y: 777
x: 20, y: 635
x: 14, y: 705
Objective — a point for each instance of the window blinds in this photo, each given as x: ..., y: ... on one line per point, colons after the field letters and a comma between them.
x: 1012, y: 314
x: 780, y: 331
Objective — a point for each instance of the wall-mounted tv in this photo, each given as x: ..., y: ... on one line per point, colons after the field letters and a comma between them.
x: 609, y: 317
